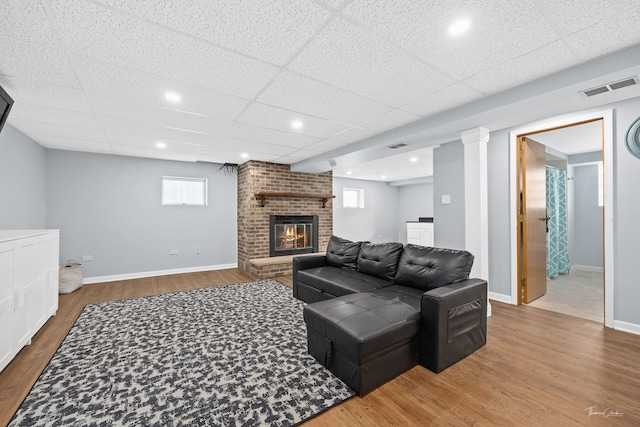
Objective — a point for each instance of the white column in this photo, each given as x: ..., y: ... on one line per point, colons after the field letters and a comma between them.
x: 476, y: 212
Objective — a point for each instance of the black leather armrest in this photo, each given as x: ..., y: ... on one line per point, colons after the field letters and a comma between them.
x: 453, y: 323
x: 303, y: 263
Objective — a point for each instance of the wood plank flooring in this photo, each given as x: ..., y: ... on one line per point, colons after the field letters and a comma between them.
x: 538, y: 368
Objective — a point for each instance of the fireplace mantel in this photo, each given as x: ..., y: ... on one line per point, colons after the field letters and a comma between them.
x: 262, y: 196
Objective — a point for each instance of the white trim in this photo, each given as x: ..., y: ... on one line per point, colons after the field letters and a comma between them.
x: 588, y: 268
x: 632, y: 328
x: 500, y: 297
x: 609, y: 215
x: 129, y: 276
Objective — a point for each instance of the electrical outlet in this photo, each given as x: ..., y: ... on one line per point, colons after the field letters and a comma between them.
x: 197, y: 249
x: 87, y: 257
x: 173, y: 252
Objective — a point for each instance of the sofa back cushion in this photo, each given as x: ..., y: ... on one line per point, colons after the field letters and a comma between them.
x: 379, y: 259
x: 428, y: 268
x: 342, y: 253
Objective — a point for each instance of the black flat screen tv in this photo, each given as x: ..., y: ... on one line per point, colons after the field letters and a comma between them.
x: 6, y: 102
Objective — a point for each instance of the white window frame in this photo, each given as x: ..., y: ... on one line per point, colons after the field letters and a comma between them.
x: 183, y: 184
x: 359, y: 194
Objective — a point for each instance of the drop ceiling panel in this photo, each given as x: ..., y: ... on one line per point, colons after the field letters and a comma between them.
x: 155, y: 131
x: 441, y: 100
x: 253, y: 147
x: 271, y: 30
x: 45, y: 94
x: 390, y: 120
x: 523, y: 69
x: 298, y: 93
x: 65, y: 143
x: 270, y: 136
x: 126, y: 150
x: 54, y: 116
x: 36, y: 62
x: 111, y: 36
x: 19, y: 18
x: 47, y: 129
x: 367, y: 65
x: 279, y: 119
x: 352, y: 134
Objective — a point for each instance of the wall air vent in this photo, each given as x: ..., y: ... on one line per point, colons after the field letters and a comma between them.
x: 611, y: 86
x: 396, y: 146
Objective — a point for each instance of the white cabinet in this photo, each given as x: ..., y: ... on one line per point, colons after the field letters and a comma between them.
x: 28, y: 286
x: 420, y: 233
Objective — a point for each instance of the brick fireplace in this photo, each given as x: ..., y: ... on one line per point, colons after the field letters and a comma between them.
x: 256, y: 177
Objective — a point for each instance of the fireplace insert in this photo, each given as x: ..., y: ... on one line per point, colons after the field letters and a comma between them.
x: 293, y: 234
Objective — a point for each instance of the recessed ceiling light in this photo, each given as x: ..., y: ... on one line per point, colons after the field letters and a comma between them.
x: 460, y: 26
x: 161, y: 145
x: 296, y: 124
x: 244, y: 155
x: 349, y: 172
x: 172, y: 97
x: 383, y: 177
x: 413, y: 159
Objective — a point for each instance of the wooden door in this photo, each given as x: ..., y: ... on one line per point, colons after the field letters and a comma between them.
x: 533, y: 220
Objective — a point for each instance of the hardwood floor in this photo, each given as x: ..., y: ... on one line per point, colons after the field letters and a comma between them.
x: 538, y: 368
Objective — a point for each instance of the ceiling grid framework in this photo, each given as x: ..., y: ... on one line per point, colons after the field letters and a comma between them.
x: 91, y: 75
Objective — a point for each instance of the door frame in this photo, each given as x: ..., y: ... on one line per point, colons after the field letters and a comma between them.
x: 607, y: 154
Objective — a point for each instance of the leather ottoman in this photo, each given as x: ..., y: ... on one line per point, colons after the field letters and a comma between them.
x: 363, y: 338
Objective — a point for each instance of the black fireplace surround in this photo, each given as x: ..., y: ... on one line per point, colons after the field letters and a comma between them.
x: 293, y: 234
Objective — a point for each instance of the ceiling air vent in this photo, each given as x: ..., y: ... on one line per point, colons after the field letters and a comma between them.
x: 611, y: 86
x: 396, y: 146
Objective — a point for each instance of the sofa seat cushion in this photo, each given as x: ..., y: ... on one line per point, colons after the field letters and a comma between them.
x: 337, y: 281
x: 428, y: 268
x: 404, y: 294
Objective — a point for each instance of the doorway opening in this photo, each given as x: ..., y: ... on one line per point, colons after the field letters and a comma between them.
x: 530, y: 221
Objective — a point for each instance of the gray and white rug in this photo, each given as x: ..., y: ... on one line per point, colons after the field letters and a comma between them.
x: 224, y: 356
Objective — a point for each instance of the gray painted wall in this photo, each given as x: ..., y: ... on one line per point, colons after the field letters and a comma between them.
x: 22, y: 181
x: 448, y: 179
x: 109, y: 207
x: 585, y: 234
x: 377, y: 222
x: 627, y: 226
x: 414, y: 201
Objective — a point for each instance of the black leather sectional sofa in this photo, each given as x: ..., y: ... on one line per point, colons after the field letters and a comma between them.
x: 376, y: 310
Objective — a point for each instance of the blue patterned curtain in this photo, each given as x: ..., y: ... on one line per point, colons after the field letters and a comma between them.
x: 557, y: 239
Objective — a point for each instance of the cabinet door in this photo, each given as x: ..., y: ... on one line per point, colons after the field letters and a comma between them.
x: 6, y: 304
x: 52, y: 265
x: 413, y: 233
x: 39, y: 281
x: 426, y: 234
x: 22, y: 293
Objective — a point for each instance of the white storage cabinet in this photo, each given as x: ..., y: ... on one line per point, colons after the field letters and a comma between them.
x: 420, y: 233
x: 28, y: 286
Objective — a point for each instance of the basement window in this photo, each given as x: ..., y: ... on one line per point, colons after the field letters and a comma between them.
x: 184, y: 191
x: 353, y: 198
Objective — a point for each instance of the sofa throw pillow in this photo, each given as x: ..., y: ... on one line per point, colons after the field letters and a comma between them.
x: 342, y: 253
x: 427, y: 268
x: 379, y: 259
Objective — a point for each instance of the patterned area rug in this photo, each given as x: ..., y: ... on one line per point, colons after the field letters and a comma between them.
x: 224, y: 356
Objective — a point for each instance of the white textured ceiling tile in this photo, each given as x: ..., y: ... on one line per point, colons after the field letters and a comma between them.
x: 254, y: 147
x: 19, y: 18
x: 154, y: 131
x: 271, y: 30
x: 45, y: 129
x: 106, y: 105
x: 295, y: 92
x: 531, y: 66
x: 288, y: 160
x: 390, y: 120
x: 326, y: 145
x: 608, y: 36
x: 45, y: 94
x: 36, y: 62
x: 352, y: 134
x: 444, y: 99
x: 347, y: 56
x: 111, y: 36
x: 60, y: 143
x: 55, y: 116
x: 574, y: 15
x: 500, y: 30
x: 221, y: 158
x: 270, y: 136
x: 125, y: 150
x: 276, y: 118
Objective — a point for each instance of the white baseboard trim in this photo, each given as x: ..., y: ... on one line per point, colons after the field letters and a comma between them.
x: 587, y: 268
x: 500, y: 297
x: 129, y: 276
x: 632, y: 328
